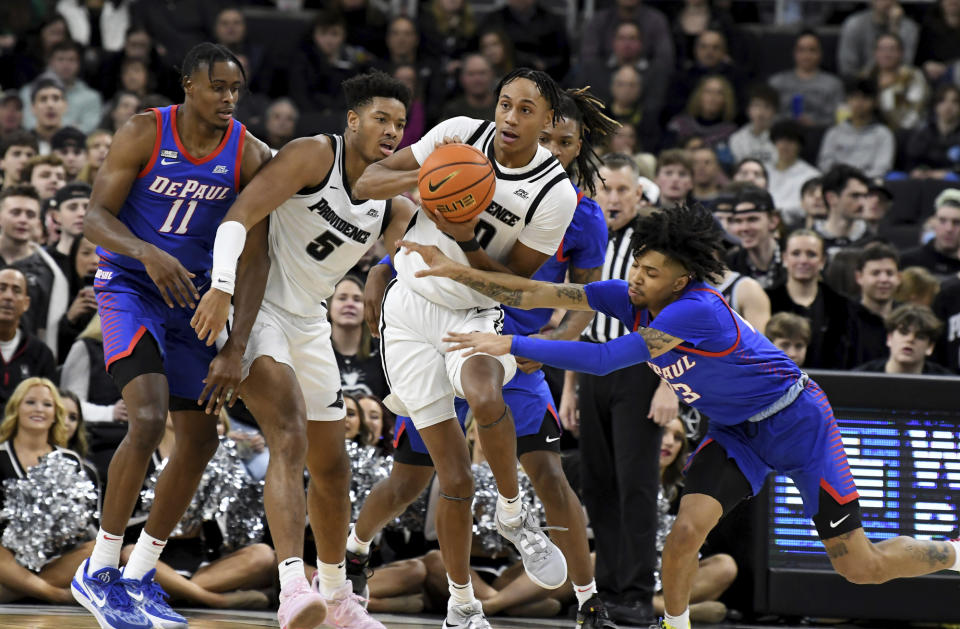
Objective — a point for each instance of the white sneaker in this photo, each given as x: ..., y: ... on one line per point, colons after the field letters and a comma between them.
x: 542, y: 560
x: 466, y: 616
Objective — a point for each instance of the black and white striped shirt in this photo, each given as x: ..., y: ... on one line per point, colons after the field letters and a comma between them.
x: 616, y: 266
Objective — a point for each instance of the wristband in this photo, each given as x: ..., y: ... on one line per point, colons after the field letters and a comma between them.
x: 468, y: 245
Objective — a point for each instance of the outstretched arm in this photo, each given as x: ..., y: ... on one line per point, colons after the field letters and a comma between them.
x: 510, y: 290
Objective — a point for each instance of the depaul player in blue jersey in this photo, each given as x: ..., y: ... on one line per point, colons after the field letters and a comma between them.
x: 581, y: 253
x: 765, y: 414
x: 169, y: 178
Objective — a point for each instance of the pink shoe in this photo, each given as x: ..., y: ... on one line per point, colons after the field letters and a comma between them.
x: 302, y: 608
x: 347, y: 610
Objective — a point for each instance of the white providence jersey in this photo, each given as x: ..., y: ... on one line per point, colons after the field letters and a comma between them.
x: 533, y: 204
x: 316, y: 236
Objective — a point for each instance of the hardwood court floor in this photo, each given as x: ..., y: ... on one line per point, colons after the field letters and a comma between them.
x: 52, y: 617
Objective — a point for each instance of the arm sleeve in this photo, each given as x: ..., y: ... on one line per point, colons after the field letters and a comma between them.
x: 612, y: 299
x: 594, y: 358
x: 551, y: 219
x: 460, y: 126
x: 388, y: 262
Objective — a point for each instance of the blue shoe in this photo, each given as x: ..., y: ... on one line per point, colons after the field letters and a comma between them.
x: 151, y: 599
x: 105, y: 596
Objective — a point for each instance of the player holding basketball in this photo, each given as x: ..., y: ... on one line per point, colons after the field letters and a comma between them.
x: 778, y: 420
x: 523, y: 226
x: 169, y: 178
x: 290, y: 381
x: 581, y: 253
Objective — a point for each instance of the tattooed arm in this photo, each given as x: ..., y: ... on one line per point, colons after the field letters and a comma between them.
x: 574, y: 321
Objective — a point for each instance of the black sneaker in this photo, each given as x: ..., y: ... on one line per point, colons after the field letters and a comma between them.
x: 634, y: 614
x: 593, y: 615
x: 358, y: 571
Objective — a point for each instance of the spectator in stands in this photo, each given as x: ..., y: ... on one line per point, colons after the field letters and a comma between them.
x: 933, y: 150
x: 753, y: 139
x: 902, y: 89
x: 97, y: 25
x: 805, y: 294
x: 16, y: 149
x: 876, y: 207
x: 597, y: 38
x: 811, y: 202
x: 68, y: 207
x: 754, y: 222
x: 539, y: 36
x: 83, y: 266
x: 697, y: 17
x: 941, y: 255
x: 403, y: 47
x: 378, y: 421
x: 862, y: 141
x: 11, y: 113
x: 48, y: 105
x: 946, y: 305
x: 674, y: 177
x: 417, y: 110
x: 322, y: 63
x: 365, y: 24
x: 710, y: 58
x: 175, y: 27
x: 752, y: 171
x: 355, y: 429
x: 860, y: 32
x: 878, y: 275
x: 230, y: 30
x: 707, y: 177
x: 845, y: 191
x: 357, y: 356
x: 82, y: 102
x: 498, y: 49
x: 918, y: 286
x: 29, y: 61
x: 939, y: 39
x: 448, y: 31
x: 280, y: 123
x: 135, y: 77
x: 912, y: 332
x: 75, y: 424
x: 478, y: 99
x: 807, y: 93
x: 709, y: 115
x: 98, y: 145
x: 24, y: 355
x: 791, y: 333
x: 119, y: 109
x: 69, y: 144
x: 788, y: 172
x: 137, y: 44
x: 46, y: 174
x: 23, y: 441
x: 626, y: 96
x: 85, y: 373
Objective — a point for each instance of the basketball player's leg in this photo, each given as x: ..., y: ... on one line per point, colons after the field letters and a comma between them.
x: 390, y: 497
x: 481, y: 380
x: 328, y: 495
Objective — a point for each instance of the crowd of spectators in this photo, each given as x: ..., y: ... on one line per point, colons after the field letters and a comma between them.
x: 835, y: 175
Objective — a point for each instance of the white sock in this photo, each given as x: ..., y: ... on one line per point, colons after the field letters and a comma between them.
x: 106, y: 552
x: 145, y: 556
x: 356, y: 545
x: 460, y: 594
x: 584, y: 592
x: 678, y: 622
x: 331, y: 576
x: 291, y: 573
x: 953, y: 542
x: 510, y: 508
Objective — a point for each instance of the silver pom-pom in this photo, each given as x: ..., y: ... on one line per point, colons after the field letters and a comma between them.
x: 49, y: 511
x: 367, y: 469
x: 664, y: 524
x: 244, y: 521
x: 485, y: 507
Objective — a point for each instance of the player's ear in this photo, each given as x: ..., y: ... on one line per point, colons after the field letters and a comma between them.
x: 353, y: 120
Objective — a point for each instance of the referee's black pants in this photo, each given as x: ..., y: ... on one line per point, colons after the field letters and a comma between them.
x: 620, y: 452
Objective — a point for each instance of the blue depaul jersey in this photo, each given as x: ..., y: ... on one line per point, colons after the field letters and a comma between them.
x: 177, y: 200
x: 584, y: 246
x: 724, y: 367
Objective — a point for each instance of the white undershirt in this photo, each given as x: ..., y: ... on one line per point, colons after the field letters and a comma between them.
x: 7, y: 348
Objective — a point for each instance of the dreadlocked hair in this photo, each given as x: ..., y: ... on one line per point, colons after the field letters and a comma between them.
x: 361, y: 89
x: 208, y: 53
x: 548, y: 87
x: 689, y: 235
x: 586, y: 110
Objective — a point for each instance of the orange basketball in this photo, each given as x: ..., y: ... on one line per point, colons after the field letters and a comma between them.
x: 458, y: 180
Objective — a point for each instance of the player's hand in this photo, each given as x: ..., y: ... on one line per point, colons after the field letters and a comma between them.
x: 479, y: 343
x: 222, y: 381
x: 84, y: 303
x: 171, y: 278
x: 373, y: 290
x: 448, y: 139
x: 665, y: 406
x: 211, y: 315
x: 120, y: 412
x: 458, y: 231
x: 525, y: 364
x: 569, y: 412
x: 440, y: 265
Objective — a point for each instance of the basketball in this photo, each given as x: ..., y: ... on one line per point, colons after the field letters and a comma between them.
x: 458, y: 180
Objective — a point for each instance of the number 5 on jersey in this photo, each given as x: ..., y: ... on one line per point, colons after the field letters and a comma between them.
x: 172, y: 216
x: 323, y: 245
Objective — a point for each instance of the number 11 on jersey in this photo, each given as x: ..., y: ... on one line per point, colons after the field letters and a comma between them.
x: 172, y: 216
